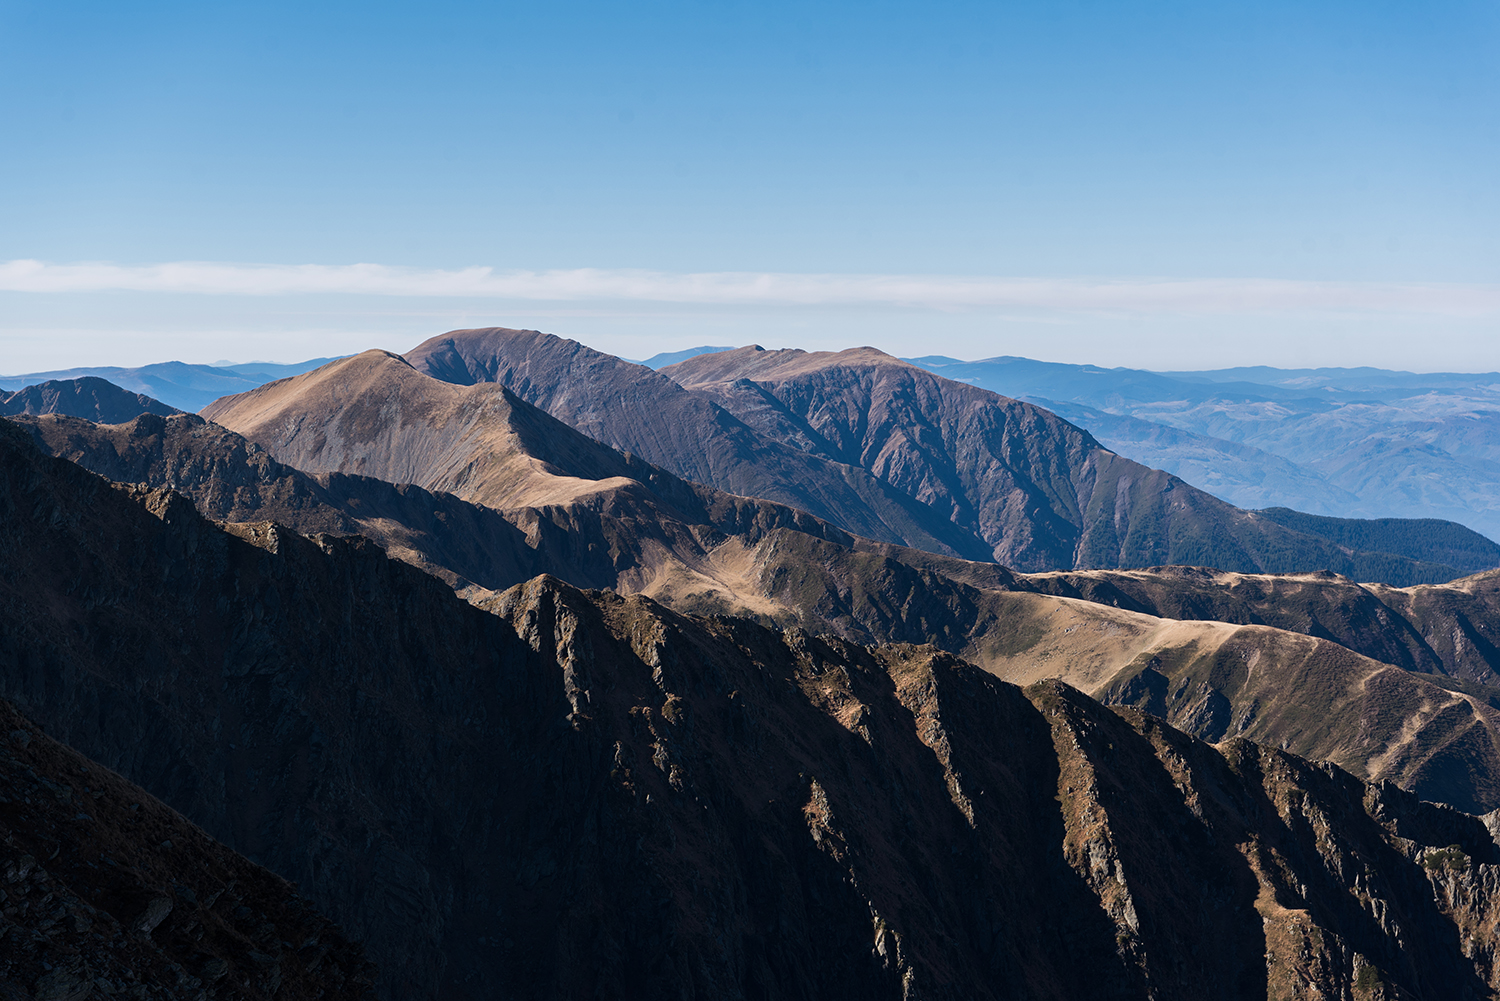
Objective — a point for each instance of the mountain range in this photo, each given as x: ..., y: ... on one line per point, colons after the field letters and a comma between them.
x: 88, y: 397
x: 177, y: 384
x: 1356, y: 442
x: 933, y: 464
x: 769, y: 674
x: 563, y: 792
x: 500, y: 492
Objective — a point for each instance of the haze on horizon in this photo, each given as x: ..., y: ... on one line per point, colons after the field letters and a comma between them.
x: 1151, y: 184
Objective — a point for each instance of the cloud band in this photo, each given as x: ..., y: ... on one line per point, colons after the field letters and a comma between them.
x: 944, y: 292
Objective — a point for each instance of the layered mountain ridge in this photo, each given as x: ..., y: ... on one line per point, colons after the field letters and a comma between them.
x: 570, y: 792
x: 631, y: 408
x: 1041, y: 491
x: 617, y: 522
x: 1020, y: 485
x: 90, y: 398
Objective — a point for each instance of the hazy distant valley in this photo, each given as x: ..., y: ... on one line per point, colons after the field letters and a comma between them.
x: 767, y: 674
x: 1352, y: 443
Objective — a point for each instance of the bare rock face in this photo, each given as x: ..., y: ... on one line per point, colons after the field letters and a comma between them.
x: 91, y: 398
x: 577, y: 793
x: 105, y: 891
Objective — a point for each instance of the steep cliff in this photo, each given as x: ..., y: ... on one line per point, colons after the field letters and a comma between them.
x: 641, y: 530
x: 572, y: 793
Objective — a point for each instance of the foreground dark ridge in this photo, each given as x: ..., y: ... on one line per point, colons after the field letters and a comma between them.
x: 107, y: 891
x: 583, y: 793
x: 613, y: 521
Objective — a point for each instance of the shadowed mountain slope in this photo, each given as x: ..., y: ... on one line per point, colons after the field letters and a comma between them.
x: 89, y: 398
x: 574, y: 794
x: 230, y: 479
x: 1416, y: 538
x: 169, y: 913
x: 1040, y: 491
x: 641, y: 530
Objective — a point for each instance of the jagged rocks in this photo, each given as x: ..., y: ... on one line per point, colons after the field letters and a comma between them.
x: 574, y: 794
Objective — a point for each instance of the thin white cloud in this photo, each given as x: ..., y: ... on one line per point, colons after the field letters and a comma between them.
x: 943, y: 292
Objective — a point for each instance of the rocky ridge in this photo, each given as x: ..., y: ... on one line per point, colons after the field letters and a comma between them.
x: 1042, y: 493
x: 632, y: 527
x: 572, y: 792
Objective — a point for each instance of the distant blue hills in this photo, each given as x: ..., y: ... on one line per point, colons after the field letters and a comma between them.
x: 175, y: 383
x: 1343, y: 442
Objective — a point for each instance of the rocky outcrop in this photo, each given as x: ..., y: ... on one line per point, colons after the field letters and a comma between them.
x: 576, y: 793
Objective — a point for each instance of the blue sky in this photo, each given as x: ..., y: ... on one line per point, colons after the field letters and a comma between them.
x: 1188, y: 184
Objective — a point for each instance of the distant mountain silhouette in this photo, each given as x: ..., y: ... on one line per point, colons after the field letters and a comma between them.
x: 89, y: 398
x: 178, y: 384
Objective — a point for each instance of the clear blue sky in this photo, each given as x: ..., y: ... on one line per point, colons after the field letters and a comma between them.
x: 1353, y: 143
